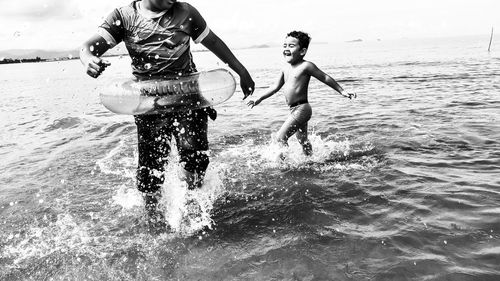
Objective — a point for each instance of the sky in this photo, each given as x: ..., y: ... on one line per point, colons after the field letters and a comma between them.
x: 65, y: 24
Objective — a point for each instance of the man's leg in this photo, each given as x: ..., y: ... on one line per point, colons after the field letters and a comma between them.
x: 192, y: 142
x: 153, y: 147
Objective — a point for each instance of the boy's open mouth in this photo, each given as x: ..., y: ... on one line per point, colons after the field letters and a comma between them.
x: 287, y: 53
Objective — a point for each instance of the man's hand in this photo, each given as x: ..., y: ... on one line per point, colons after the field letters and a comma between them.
x: 247, y: 84
x: 94, y: 66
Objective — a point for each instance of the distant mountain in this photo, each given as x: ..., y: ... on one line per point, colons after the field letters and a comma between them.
x: 53, y: 54
x: 33, y: 53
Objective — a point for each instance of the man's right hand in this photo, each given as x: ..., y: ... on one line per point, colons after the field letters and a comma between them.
x: 94, y: 66
x: 247, y: 84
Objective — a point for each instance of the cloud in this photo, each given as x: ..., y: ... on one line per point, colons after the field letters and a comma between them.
x: 66, y: 23
x: 36, y: 10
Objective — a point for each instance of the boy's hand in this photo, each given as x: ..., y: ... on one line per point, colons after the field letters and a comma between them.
x: 253, y: 103
x: 95, y: 66
x: 247, y: 85
x: 351, y: 96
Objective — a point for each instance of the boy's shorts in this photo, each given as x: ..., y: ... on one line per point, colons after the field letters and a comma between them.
x: 301, y: 113
x: 155, y: 131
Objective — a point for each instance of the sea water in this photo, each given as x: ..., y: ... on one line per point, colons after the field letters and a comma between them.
x: 403, y: 183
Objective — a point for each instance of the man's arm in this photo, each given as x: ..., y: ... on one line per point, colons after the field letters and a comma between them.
x: 90, y: 54
x: 220, y: 49
x: 326, y: 79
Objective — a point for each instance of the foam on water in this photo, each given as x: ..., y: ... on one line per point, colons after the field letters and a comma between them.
x: 118, y: 161
x: 329, y: 153
x: 62, y: 235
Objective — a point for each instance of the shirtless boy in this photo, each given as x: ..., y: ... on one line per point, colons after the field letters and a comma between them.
x: 294, y: 79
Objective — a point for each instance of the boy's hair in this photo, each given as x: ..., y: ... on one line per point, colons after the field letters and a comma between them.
x: 303, y: 38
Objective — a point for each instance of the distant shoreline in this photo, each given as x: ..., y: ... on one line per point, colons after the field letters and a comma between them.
x: 9, y: 61
x: 63, y: 58
x: 37, y: 59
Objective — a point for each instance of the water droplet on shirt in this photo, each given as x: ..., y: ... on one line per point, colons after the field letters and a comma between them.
x: 147, y: 66
x: 91, y: 48
x: 118, y: 22
x: 157, y: 56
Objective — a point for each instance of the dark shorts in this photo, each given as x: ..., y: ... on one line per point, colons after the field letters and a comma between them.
x: 189, y: 129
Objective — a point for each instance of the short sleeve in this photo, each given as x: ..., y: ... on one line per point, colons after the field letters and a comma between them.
x: 198, y: 27
x: 112, y: 30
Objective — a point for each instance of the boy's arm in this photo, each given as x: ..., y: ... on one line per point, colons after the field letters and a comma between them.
x: 270, y: 91
x: 220, y: 49
x: 90, y: 54
x: 326, y: 79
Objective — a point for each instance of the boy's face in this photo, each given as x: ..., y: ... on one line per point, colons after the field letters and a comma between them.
x: 292, y: 51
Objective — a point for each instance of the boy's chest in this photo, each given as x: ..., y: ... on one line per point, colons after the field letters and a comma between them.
x: 294, y: 74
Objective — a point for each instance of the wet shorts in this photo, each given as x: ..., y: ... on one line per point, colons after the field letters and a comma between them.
x: 301, y: 112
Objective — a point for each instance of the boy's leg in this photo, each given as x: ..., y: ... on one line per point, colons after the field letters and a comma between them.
x: 303, y: 140
x: 192, y: 142
x: 297, y: 119
x: 289, y: 127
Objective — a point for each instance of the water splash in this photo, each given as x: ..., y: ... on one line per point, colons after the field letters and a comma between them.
x: 329, y: 153
x: 185, y: 211
x: 128, y: 198
x: 63, y: 235
x: 189, y: 211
